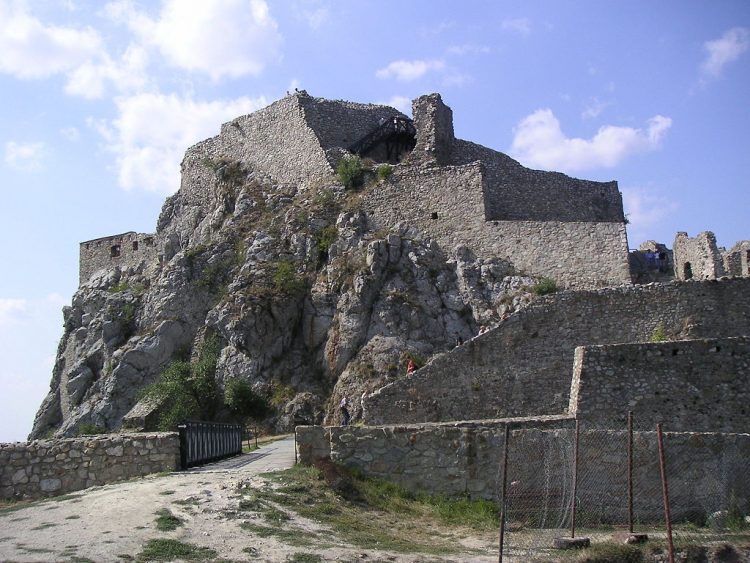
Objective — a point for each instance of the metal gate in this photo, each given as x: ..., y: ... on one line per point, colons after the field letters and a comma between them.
x: 204, y: 442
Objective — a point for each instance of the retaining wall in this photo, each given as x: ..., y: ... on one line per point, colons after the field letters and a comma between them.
x: 464, y: 459
x: 695, y: 384
x: 52, y: 467
x: 523, y: 367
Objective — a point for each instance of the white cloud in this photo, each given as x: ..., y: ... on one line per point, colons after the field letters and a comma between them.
x: 539, y: 142
x: 315, y: 13
x: 468, y: 49
x: 726, y: 49
x: 401, y: 103
x: 594, y: 108
x: 409, y: 70
x: 24, y: 156
x: 127, y: 75
x: 517, y: 25
x: 220, y: 38
x: 31, y: 49
x: 152, y: 131
x: 11, y: 310
x: 644, y: 210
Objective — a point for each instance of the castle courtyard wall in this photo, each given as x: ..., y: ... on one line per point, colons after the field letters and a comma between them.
x: 464, y: 459
x: 447, y: 204
x: 698, y: 257
x: 523, y: 367
x: 53, y: 467
x: 700, y: 385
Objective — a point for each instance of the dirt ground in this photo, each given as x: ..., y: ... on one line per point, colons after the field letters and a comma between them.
x: 115, y: 522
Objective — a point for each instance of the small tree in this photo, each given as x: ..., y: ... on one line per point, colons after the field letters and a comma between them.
x: 243, y: 402
x: 350, y: 171
x: 186, y: 390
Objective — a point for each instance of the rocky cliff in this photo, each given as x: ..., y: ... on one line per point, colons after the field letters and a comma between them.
x: 309, y: 300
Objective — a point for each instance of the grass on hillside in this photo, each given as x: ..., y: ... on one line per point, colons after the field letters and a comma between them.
x: 163, y: 549
x: 368, y: 513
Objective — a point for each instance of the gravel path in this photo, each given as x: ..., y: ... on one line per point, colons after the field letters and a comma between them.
x: 105, y: 523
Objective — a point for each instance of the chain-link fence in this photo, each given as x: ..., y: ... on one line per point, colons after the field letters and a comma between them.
x: 606, y: 485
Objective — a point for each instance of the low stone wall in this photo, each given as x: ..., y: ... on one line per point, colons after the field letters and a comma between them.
x: 696, y: 384
x: 52, y: 467
x: 464, y: 459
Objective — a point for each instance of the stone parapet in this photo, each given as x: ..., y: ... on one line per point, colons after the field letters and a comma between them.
x: 53, y: 467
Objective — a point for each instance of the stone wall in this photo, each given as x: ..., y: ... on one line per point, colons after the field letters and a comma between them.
x: 126, y: 250
x: 434, y: 123
x: 447, y: 204
x: 700, y: 385
x: 523, y: 367
x: 52, y: 467
x: 697, y: 258
x: 704, y: 469
x: 737, y: 259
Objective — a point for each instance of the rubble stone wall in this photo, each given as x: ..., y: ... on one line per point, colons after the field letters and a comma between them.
x: 447, y: 204
x: 465, y: 459
x: 124, y: 250
x: 53, y: 467
x: 701, y: 385
x: 697, y: 258
x: 524, y: 366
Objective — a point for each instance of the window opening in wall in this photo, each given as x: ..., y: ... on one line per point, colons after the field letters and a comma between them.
x: 135, y: 245
x: 114, y: 251
x: 434, y: 215
x: 688, y: 271
x: 149, y: 241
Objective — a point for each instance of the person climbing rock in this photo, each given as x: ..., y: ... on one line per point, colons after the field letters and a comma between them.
x: 411, y: 367
x: 344, y: 412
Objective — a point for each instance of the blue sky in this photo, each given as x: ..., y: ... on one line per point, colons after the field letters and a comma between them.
x: 100, y: 99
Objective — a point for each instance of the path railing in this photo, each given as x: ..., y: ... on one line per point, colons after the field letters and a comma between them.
x: 204, y: 442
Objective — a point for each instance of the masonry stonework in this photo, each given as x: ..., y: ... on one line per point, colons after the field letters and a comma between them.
x: 464, y: 460
x: 524, y: 365
x: 698, y: 385
x: 53, y: 467
x: 126, y: 250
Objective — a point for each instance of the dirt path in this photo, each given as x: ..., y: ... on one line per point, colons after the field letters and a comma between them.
x: 115, y: 522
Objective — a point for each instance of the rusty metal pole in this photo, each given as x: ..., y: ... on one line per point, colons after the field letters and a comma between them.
x: 503, y: 487
x: 575, y: 482
x: 630, y: 471
x: 665, y: 491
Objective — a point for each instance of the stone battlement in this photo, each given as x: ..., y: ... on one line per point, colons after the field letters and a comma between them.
x: 124, y: 250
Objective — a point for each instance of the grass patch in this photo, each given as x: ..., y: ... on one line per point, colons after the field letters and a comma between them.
x: 186, y: 501
x: 163, y: 549
x: 23, y: 547
x: 545, y: 286
x: 611, y: 553
x: 375, y: 514
x: 166, y: 521
x: 165, y: 493
x: 72, y: 517
x: 302, y: 557
x: 289, y: 535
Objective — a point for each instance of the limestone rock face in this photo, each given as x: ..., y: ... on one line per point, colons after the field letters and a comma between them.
x: 309, y: 298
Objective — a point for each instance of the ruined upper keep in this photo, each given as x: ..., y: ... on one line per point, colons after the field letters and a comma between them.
x: 454, y: 191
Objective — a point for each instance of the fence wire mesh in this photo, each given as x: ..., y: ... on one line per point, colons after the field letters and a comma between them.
x: 706, y: 477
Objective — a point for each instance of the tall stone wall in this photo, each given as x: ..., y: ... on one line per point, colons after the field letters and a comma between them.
x: 339, y: 123
x: 52, y: 467
x: 447, y: 204
x: 523, y: 367
x: 126, y: 250
x: 737, y: 259
x: 276, y: 141
x: 705, y: 469
x: 697, y: 258
x: 697, y: 385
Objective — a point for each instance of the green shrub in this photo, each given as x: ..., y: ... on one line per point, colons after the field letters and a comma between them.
x: 242, y: 401
x: 611, y: 553
x: 544, y: 286
x: 325, y: 237
x: 282, y: 394
x: 350, y: 171
x: 87, y: 429
x: 384, y: 172
x: 659, y: 334
x: 286, y: 280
